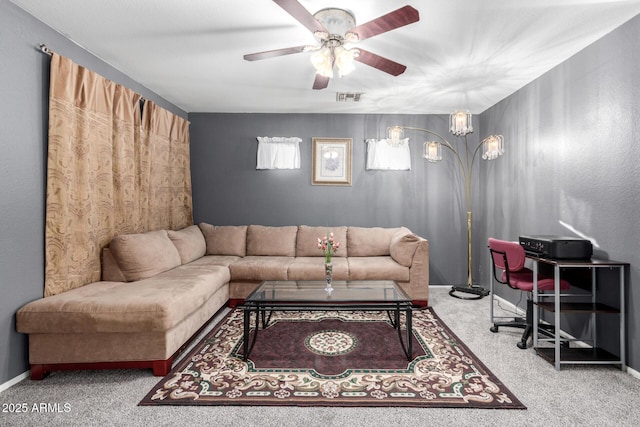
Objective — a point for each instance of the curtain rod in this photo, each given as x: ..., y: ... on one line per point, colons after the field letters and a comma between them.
x: 44, y: 49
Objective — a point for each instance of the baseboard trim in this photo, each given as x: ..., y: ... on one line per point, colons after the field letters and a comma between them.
x: 510, y: 306
x: 14, y: 381
x: 633, y: 372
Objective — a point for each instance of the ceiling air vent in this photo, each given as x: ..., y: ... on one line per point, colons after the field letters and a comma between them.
x: 349, y: 96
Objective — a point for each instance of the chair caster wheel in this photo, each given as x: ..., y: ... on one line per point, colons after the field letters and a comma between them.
x: 522, y: 345
x: 494, y: 329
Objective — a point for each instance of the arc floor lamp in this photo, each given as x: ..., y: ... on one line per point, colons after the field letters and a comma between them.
x: 460, y: 124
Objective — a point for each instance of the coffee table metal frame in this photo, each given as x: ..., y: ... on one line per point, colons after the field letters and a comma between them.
x: 316, y: 298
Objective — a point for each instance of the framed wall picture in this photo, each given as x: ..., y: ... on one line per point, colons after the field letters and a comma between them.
x: 331, y: 161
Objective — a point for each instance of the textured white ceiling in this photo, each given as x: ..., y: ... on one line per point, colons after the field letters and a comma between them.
x: 461, y: 54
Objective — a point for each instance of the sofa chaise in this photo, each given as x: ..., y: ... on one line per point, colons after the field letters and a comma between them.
x: 160, y: 288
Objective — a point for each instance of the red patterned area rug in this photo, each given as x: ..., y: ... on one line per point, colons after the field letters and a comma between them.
x: 333, y: 359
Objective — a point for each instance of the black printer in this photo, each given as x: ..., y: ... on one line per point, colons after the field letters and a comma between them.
x: 557, y: 247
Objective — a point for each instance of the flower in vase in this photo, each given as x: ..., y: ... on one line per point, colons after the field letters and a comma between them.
x: 328, y: 246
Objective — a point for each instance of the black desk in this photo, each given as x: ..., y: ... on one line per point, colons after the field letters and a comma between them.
x: 577, y: 303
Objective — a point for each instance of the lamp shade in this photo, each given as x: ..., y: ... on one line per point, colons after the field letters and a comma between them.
x: 460, y: 123
x: 395, y: 134
x: 492, y: 147
x: 432, y: 151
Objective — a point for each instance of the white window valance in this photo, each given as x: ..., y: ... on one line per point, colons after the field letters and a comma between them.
x: 278, y: 152
x: 381, y: 154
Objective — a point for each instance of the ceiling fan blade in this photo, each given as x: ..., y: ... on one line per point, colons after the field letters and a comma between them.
x: 381, y: 63
x: 321, y: 82
x: 273, y: 53
x: 303, y: 16
x: 398, y: 18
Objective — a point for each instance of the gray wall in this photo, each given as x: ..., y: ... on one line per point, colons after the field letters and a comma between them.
x: 572, y: 168
x: 572, y: 161
x: 429, y: 199
x: 24, y: 93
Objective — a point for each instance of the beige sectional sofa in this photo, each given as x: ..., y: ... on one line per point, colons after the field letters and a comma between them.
x: 160, y: 288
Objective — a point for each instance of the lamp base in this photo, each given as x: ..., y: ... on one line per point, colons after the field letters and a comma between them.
x: 474, y: 292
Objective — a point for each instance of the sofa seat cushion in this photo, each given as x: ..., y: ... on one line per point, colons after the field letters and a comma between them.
x: 155, y: 304
x: 261, y: 268
x: 312, y: 268
x: 208, y: 260
x: 377, y: 268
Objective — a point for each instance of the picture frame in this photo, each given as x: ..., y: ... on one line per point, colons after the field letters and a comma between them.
x: 331, y: 161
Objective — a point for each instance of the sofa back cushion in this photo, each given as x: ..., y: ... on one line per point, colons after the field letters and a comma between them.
x: 369, y: 241
x: 189, y: 242
x: 144, y: 255
x: 110, y: 269
x: 225, y: 239
x: 403, y: 246
x: 307, y: 240
x: 273, y: 241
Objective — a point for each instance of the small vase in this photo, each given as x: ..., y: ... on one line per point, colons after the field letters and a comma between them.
x: 328, y: 273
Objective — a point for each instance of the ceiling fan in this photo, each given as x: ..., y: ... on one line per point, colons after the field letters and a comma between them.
x: 334, y: 28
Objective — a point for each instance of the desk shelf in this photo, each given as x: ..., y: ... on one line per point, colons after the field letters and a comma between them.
x: 578, y: 355
x: 578, y: 307
x: 571, y: 304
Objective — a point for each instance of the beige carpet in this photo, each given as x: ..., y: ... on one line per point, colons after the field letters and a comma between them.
x: 574, y: 396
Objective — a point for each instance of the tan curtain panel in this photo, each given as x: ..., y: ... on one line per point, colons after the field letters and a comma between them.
x: 99, y: 173
x: 165, y: 169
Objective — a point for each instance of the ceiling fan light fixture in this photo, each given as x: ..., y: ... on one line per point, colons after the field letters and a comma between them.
x: 344, y: 60
x: 335, y: 29
x: 322, y: 61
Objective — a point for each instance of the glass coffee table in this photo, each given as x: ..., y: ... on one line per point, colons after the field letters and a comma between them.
x: 352, y: 295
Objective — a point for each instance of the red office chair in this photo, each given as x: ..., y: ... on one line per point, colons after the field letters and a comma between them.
x: 509, y: 257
